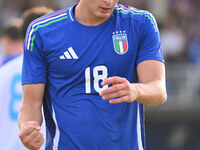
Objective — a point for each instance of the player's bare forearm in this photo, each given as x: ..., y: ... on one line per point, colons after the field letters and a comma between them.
x: 150, y: 91
x: 31, y: 104
x: 29, y: 112
x: 30, y: 116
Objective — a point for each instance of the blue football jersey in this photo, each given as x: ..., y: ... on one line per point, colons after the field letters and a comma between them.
x: 73, y: 59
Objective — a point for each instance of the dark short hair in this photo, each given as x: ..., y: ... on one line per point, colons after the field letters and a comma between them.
x: 32, y: 14
x: 12, y: 29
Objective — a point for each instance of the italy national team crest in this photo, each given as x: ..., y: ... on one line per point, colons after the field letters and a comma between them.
x: 120, y: 42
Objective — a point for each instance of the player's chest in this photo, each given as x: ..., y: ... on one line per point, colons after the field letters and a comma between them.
x: 74, y: 51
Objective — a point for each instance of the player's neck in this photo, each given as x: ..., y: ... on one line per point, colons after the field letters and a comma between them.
x: 84, y: 17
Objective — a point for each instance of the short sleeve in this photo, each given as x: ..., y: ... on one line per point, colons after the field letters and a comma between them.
x: 34, y: 68
x: 149, y: 41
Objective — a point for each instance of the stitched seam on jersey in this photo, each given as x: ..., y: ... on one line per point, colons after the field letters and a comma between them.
x: 44, y: 21
x: 38, y: 21
x: 139, y: 13
x: 44, y: 25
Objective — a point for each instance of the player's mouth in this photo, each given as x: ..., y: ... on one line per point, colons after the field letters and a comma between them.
x: 105, y: 10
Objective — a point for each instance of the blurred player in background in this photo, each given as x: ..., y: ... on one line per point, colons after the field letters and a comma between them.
x: 93, y: 66
x: 11, y: 90
x: 11, y: 40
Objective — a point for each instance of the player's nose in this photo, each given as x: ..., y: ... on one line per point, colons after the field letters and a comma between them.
x: 108, y: 1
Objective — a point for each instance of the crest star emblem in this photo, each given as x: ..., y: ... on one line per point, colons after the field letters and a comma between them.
x: 120, y: 42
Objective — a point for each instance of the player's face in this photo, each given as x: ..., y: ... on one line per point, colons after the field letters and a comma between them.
x: 101, y: 8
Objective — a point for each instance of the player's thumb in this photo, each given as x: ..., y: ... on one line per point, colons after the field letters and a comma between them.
x: 35, y: 125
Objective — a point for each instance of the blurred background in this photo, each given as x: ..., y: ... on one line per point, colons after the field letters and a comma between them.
x: 175, y: 125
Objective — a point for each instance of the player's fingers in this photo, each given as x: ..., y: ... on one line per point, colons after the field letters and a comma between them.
x: 38, y: 138
x: 34, y: 124
x: 114, y: 95
x: 28, y: 127
x: 119, y: 100
x: 28, y: 139
x: 113, y: 80
x: 26, y: 130
x: 38, y: 144
x: 33, y: 134
x: 33, y: 144
x: 112, y: 89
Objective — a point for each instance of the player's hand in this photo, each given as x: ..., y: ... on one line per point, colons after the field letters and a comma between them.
x: 120, y: 91
x: 31, y: 136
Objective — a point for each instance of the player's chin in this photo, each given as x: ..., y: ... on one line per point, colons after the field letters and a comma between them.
x: 104, y: 15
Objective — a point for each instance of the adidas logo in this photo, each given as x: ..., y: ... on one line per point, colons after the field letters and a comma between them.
x: 69, y: 54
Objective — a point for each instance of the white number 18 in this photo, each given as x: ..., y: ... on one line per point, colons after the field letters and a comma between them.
x: 99, y: 73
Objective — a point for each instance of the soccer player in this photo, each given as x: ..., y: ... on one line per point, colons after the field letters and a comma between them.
x: 93, y: 66
x: 11, y: 91
x: 10, y: 99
